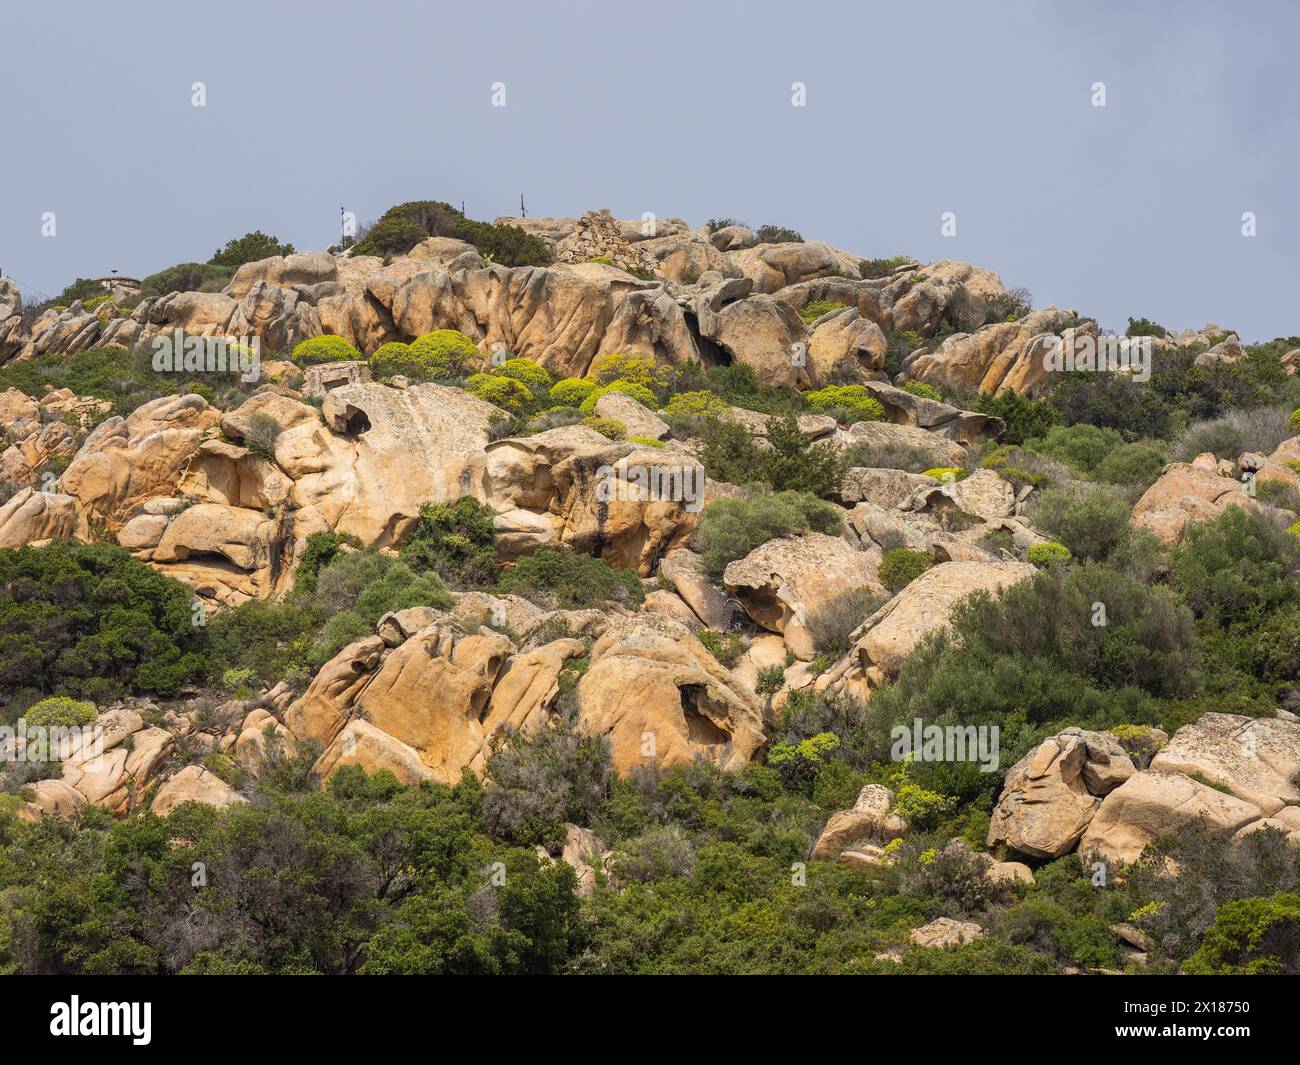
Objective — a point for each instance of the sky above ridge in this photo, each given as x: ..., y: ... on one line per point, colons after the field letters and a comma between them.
x: 982, y: 109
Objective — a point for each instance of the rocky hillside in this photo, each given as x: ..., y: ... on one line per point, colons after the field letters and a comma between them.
x: 591, y: 595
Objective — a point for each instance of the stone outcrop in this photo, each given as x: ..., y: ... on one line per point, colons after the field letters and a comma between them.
x: 1049, y: 797
x: 885, y: 639
x: 658, y: 695
x: 780, y: 583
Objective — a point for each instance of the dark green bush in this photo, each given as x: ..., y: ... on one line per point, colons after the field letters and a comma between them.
x: 570, y: 581
x: 456, y: 542
x: 901, y: 565
x: 729, y: 529
x: 91, y: 622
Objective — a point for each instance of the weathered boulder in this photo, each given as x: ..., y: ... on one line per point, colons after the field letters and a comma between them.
x: 125, y: 461
x: 31, y: 516
x: 1256, y: 759
x: 945, y: 933
x: 194, y: 784
x: 782, y: 581
x: 926, y: 604
x: 1049, y: 797
x: 1186, y: 493
x: 637, y: 418
x: 885, y: 444
x: 868, y: 821
x: 1152, y: 804
x: 659, y: 695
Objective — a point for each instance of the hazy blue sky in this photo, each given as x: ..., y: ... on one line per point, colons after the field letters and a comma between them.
x: 683, y: 109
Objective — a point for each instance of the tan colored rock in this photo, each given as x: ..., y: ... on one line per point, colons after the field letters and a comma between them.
x: 409, y: 447
x: 685, y: 569
x: 326, y: 705
x: 670, y: 604
x: 1154, y: 804
x: 431, y: 693
x: 945, y: 933
x: 659, y: 695
x: 362, y: 744
x: 1046, y: 802
x: 982, y: 495
x: 194, y: 784
x: 1187, y: 493
x: 869, y: 821
x: 31, y: 517
x: 637, y: 418
x: 126, y: 461
x: 1255, y: 759
x: 51, y: 798
x: 926, y: 604
x: 884, y: 487
x: 846, y: 337
x: 1009, y: 873
x: 525, y: 692
x: 883, y: 440
x: 781, y: 582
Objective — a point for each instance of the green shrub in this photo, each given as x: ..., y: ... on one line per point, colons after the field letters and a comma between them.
x: 607, y: 427
x: 570, y: 581
x: 833, y: 620
x: 1144, y: 327
x: 693, y: 404
x: 1132, y: 464
x: 441, y: 354
x: 901, y: 566
x: 457, y: 542
x: 249, y: 248
x: 644, y: 441
x: 325, y: 348
x: 263, y: 431
x: 1025, y: 418
x: 770, y: 679
x: 504, y: 392
x: 920, y: 388
x: 815, y: 309
x: 1049, y: 554
x: 946, y: 474
x: 873, y: 268
x: 1082, y: 447
x: 726, y: 647
x: 1090, y: 521
x: 357, y: 589
x: 58, y: 711
x: 1251, y: 937
x: 1293, y: 422
x: 648, y: 371
x: 391, y: 359
x: 729, y: 529
x: 405, y: 225
x: 571, y: 391
x: 536, y: 378
x: 847, y: 403
x: 90, y: 621
x: 185, y: 277
x: 777, y: 235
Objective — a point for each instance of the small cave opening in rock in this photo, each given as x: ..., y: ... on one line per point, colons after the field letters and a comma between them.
x: 355, y: 421
x: 699, y: 726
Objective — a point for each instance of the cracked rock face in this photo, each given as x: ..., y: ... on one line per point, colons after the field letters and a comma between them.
x: 1050, y: 796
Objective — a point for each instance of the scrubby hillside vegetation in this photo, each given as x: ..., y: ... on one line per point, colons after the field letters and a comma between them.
x: 602, y: 596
